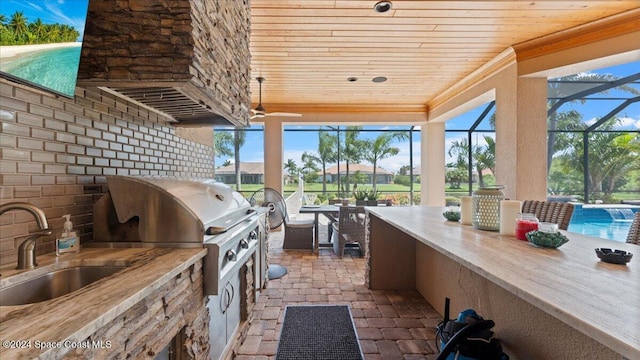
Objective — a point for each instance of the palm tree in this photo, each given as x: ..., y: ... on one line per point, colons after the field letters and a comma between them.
x: 38, y: 29
x: 239, y: 137
x: 352, y: 151
x: 380, y: 148
x: 291, y: 168
x: 309, y: 167
x: 224, y: 141
x: 18, y: 24
x: 53, y: 35
x: 487, y: 154
x: 611, y: 157
x: 483, y: 156
x: 327, y: 153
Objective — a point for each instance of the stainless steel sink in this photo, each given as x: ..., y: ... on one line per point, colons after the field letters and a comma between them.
x: 54, y: 284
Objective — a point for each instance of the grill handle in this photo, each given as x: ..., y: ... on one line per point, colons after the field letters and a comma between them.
x: 216, y: 230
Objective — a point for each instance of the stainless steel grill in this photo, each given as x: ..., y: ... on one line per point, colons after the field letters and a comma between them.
x: 156, y: 211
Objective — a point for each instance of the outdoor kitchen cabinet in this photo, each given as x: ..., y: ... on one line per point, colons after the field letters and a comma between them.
x: 224, y: 315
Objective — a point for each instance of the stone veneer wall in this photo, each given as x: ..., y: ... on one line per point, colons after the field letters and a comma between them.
x: 176, y: 308
x: 201, y: 47
x: 55, y: 153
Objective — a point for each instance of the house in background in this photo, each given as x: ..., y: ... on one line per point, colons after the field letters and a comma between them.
x: 382, y: 176
x: 250, y: 173
x: 416, y: 173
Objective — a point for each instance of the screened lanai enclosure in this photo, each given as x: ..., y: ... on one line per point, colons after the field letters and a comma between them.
x: 593, y: 147
x: 593, y: 152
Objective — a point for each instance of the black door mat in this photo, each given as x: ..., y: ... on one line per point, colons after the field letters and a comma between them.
x: 318, y: 332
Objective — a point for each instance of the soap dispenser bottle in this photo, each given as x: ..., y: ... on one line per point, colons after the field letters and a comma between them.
x: 67, y: 241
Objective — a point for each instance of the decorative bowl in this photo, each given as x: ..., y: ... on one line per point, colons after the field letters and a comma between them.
x: 451, y: 215
x: 545, y: 239
x: 614, y: 256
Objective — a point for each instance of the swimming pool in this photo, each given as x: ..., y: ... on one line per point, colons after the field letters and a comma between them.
x: 607, y: 221
x: 613, y: 230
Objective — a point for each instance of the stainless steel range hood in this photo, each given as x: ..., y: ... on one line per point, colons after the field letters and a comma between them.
x: 188, y: 59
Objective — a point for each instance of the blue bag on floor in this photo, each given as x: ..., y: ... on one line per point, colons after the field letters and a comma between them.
x: 469, y: 337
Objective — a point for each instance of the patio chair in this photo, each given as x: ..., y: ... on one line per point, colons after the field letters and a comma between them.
x: 350, y: 228
x: 298, y: 234
x: 550, y: 211
x: 634, y: 231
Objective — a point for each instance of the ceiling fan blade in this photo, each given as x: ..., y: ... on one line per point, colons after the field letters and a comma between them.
x: 260, y: 111
x: 283, y: 114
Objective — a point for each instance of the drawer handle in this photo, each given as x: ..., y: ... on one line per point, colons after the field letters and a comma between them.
x: 232, y: 256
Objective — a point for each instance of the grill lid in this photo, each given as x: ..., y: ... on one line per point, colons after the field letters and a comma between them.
x: 171, y: 209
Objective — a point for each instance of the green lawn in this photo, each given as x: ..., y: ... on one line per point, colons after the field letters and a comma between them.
x: 248, y: 189
x: 385, y: 189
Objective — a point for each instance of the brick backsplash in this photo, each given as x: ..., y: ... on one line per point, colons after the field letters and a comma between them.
x: 56, y: 153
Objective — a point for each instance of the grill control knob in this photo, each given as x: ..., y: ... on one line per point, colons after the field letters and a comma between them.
x: 231, y: 255
x: 253, y: 235
x: 244, y: 244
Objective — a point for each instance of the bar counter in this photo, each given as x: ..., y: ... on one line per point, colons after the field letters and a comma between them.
x: 547, y: 303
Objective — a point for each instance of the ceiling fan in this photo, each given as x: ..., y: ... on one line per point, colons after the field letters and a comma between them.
x: 260, y: 111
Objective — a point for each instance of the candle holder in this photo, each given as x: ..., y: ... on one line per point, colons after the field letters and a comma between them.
x: 486, y: 207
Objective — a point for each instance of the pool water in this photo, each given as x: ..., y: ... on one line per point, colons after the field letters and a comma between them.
x: 56, y: 69
x: 613, y: 230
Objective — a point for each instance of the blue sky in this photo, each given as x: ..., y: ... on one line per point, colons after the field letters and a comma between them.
x: 295, y: 143
x: 70, y: 12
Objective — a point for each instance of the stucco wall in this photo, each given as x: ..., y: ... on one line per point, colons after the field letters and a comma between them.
x: 537, y: 334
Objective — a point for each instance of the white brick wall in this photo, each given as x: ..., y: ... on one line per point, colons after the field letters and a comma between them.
x: 56, y: 152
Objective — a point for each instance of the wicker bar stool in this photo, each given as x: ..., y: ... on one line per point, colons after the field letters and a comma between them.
x: 350, y: 228
x: 634, y: 231
x: 550, y: 211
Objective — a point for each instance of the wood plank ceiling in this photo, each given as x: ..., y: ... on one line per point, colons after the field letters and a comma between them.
x: 308, y: 49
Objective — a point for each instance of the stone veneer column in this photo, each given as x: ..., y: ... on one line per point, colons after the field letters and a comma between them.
x: 521, y: 145
x: 432, y: 164
x: 176, y: 308
x: 273, y: 157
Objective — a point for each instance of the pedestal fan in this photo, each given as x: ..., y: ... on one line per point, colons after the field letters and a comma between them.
x: 270, y: 198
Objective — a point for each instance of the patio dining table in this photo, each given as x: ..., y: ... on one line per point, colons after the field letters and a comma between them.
x: 331, y: 212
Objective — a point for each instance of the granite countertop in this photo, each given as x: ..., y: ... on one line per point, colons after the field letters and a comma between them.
x: 75, y: 316
x: 570, y: 283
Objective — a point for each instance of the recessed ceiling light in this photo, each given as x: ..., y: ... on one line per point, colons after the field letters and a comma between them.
x: 379, y: 79
x: 382, y: 6
x: 352, y: 79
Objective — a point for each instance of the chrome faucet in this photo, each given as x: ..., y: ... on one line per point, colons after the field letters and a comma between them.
x: 27, y: 249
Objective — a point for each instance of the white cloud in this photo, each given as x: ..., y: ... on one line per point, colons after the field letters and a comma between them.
x: 394, y: 163
x: 629, y: 122
x: 34, y: 6
x: 296, y: 155
x: 591, y: 121
x: 56, y: 13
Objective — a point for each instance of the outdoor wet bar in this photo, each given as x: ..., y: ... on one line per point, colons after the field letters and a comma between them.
x: 547, y: 303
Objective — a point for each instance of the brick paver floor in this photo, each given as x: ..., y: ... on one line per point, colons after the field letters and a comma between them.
x: 390, y: 324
